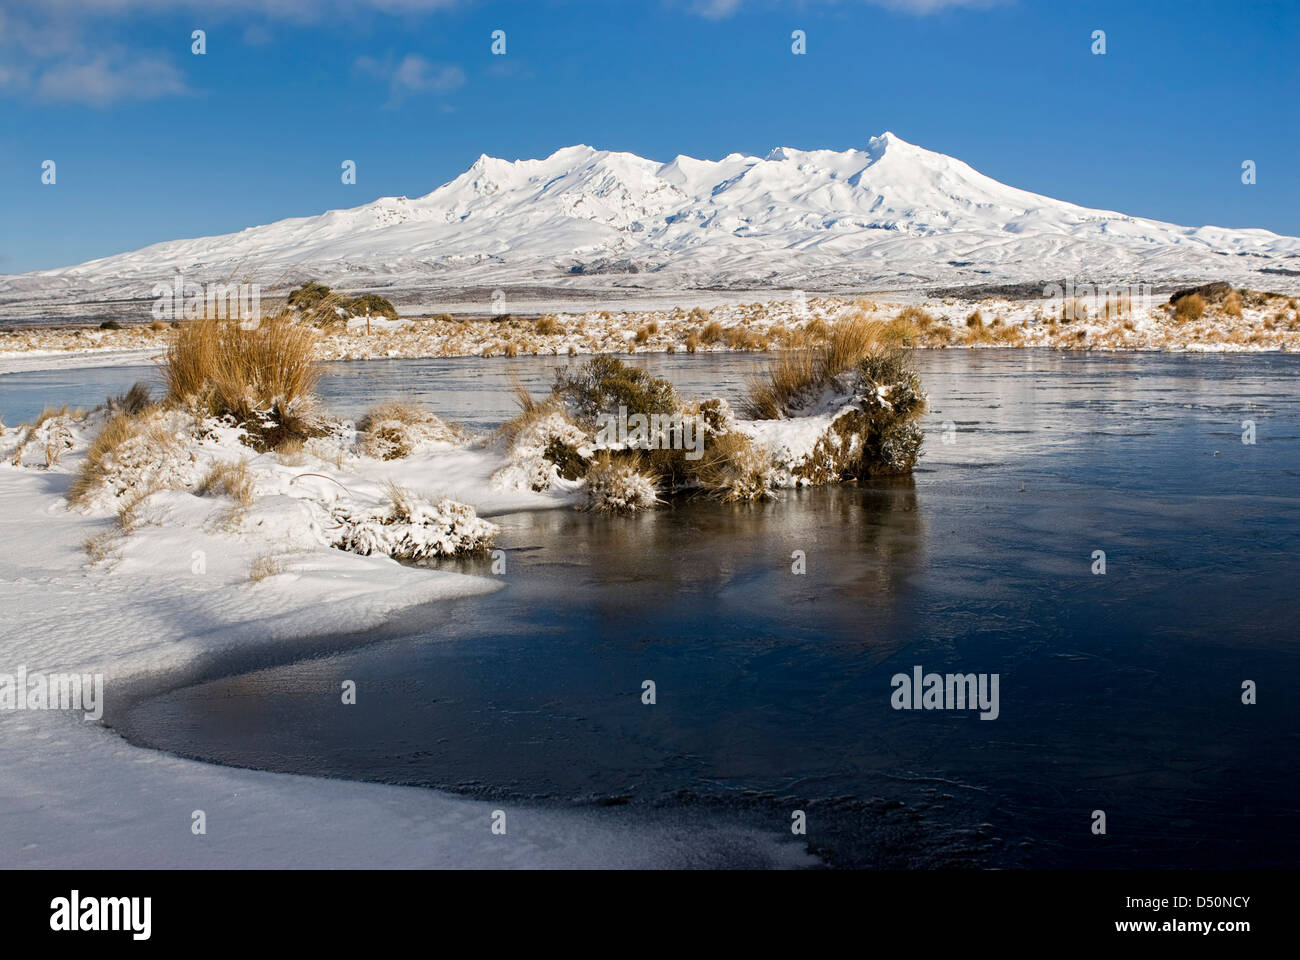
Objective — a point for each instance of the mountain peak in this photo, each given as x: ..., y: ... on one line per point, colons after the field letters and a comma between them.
x: 894, y: 213
x: 890, y: 141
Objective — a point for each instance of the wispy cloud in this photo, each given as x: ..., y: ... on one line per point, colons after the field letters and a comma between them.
x: 721, y: 9
x: 78, y: 51
x: 716, y: 9
x: 107, y: 79
x: 412, y: 74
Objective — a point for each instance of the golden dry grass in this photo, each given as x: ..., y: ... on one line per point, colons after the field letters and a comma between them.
x: 100, y: 546
x: 530, y: 411
x: 1190, y: 307
x: 797, y: 373
x: 915, y: 315
x: 712, y: 332
x: 231, y: 479
x: 267, y: 565
x: 733, y: 469
x: 262, y: 375
x: 96, y: 467
x: 234, y: 366
x: 403, y: 411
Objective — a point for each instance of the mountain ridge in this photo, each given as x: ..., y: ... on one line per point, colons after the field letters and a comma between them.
x: 890, y: 215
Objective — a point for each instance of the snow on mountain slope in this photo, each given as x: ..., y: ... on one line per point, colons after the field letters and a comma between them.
x: 892, y: 215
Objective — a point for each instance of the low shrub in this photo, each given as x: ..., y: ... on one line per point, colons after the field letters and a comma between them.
x: 604, y: 384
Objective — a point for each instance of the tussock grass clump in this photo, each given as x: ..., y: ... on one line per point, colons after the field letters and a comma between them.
x: 1190, y: 307
x: 50, y: 432
x: 712, y: 333
x: 798, y: 375
x: 133, y: 456
x: 547, y: 325
x: 134, y: 402
x: 738, y: 338
x: 99, y: 547
x: 1232, y: 305
x: 916, y: 315
x: 734, y: 470
x: 617, y: 485
x: 793, y: 373
x: 267, y: 565
x: 530, y: 410
x: 261, y: 376
x: 395, y: 430
x: 231, y: 479
x: 97, y: 465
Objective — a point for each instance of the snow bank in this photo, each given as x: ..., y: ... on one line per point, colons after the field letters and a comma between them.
x: 178, y: 591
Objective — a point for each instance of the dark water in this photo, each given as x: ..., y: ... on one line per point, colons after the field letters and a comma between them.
x: 1118, y: 692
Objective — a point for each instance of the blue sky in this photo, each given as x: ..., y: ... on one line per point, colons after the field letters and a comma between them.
x: 154, y: 143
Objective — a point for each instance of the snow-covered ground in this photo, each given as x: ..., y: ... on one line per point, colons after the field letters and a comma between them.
x: 764, y: 324
x: 188, y: 579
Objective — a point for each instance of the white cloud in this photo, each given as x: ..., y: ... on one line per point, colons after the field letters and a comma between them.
x: 105, y: 79
x: 417, y: 75
x: 720, y: 9
x: 412, y: 74
x: 56, y: 50
x: 716, y: 9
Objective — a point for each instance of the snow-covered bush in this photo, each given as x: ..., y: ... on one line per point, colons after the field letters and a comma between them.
x: 718, y: 418
x: 615, y: 485
x: 859, y: 389
x: 137, y: 454
x: 411, y: 527
x: 261, y: 374
x: 875, y: 433
x: 548, y: 451
x: 45, y: 440
x: 393, y: 431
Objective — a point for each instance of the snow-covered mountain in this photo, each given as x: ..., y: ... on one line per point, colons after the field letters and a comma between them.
x: 892, y: 215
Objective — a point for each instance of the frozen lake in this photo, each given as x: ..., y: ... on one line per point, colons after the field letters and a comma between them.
x: 1118, y: 692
